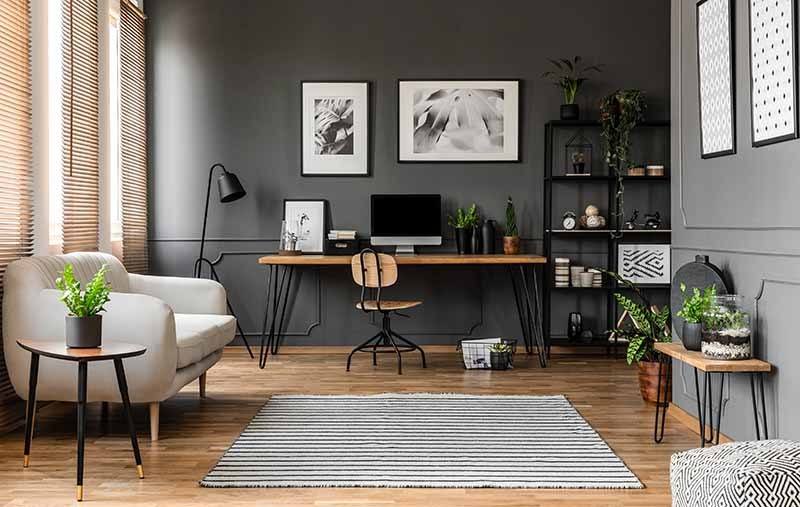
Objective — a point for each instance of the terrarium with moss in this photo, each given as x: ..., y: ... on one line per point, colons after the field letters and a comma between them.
x: 726, y: 329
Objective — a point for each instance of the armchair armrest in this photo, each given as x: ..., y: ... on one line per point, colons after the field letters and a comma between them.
x: 183, y: 295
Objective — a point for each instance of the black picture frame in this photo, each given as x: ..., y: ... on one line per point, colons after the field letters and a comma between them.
x: 732, y: 50
x: 796, y: 133
x: 370, y: 127
x: 325, y: 220
x: 520, y: 107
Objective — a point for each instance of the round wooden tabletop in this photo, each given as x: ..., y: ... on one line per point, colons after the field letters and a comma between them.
x: 59, y: 350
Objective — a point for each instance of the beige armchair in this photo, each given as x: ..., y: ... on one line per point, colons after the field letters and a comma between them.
x: 182, y: 321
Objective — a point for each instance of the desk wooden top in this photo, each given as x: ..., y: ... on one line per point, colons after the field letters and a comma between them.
x: 694, y: 358
x: 59, y: 350
x: 419, y: 260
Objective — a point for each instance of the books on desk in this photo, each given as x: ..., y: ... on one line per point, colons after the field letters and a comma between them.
x: 338, y: 234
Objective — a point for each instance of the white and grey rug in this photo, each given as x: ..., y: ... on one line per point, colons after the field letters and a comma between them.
x: 420, y: 441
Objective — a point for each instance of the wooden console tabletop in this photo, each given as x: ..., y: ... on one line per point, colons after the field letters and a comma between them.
x: 420, y: 260
x: 693, y: 358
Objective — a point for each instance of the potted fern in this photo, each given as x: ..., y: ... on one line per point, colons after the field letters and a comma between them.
x: 511, y: 239
x: 694, y: 306
x: 569, y: 75
x: 464, y: 222
x: 646, y: 326
x: 84, y: 324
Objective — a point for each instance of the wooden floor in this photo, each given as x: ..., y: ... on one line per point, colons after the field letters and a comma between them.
x: 194, y: 433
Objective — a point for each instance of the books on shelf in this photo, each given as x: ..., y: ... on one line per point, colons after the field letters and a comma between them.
x: 336, y: 234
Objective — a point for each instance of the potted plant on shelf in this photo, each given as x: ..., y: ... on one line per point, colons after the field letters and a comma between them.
x: 648, y: 326
x: 84, y: 324
x: 619, y: 114
x: 464, y: 223
x: 692, y: 311
x: 511, y: 239
x: 500, y: 356
x: 569, y: 75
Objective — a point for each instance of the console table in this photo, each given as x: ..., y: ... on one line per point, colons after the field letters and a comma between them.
x: 753, y: 367
x: 521, y: 270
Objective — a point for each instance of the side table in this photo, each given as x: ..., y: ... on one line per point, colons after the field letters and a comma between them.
x: 58, y: 350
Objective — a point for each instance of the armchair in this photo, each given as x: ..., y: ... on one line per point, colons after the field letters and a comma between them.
x: 182, y: 322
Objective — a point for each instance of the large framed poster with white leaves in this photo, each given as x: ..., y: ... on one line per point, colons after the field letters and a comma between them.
x: 773, y: 70
x: 716, y: 83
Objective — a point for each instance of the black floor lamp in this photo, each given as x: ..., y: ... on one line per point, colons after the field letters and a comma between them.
x: 230, y: 189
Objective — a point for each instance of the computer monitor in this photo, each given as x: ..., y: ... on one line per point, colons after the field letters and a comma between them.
x: 406, y: 220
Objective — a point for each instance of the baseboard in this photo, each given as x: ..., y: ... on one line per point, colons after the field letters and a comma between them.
x: 691, y: 422
x: 435, y: 349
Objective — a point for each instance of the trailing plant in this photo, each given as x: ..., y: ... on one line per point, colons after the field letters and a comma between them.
x: 569, y: 75
x: 696, y: 304
x: 500, y: 347
x: 88, y: 302
x: 619, y: 114
x: 649, y: 324
x: 464, y: 219
x: 511, y: 218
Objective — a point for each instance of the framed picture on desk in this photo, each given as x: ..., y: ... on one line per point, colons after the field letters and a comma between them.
x: 307, y: 220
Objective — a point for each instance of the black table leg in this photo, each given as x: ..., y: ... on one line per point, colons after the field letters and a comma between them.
x: 700, y: 408
x: 763, y: 422
x: 662, y: 404
x: 719, y: 409
x: 122, y: 383
x: 272, y: 279
x: 276, y: 341
x: 523, y: 322
x: 532, y: 316
x: 82, y: 374
x: 30, y: 412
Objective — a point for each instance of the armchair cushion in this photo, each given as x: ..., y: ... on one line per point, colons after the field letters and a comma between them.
x: 198, y: 336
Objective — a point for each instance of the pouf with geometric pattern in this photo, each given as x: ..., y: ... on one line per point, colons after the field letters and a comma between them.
x: 740, y: 474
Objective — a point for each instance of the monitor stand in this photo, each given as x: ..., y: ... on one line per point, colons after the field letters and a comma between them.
x: 404, y: 250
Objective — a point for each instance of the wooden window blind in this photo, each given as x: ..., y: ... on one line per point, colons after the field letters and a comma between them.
x: 80, y: 125
x: 16, y: 178
x: 133, y: 137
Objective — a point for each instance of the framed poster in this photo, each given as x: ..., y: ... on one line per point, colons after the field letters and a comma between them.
x: 458, y: 121
x: 773, y: 71
x: 716, y: 81
x: 644, y: 263
x: 335, y: 128
x: 306, y: 220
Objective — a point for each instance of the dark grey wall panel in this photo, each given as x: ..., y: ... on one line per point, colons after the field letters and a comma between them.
x: 225, y: 87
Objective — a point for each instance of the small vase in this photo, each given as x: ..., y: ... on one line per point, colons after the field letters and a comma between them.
x: 463, y: 240
x: 511, y: 245
x: 570, y: 112
x: 487, y: 237
x: 476, y: 240
x: 692, y: 336
x: 84, y: 332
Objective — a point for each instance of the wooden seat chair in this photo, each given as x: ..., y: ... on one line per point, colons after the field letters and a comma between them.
x: 373, y: 271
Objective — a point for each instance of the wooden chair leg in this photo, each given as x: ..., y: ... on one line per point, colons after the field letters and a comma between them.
x: 202, y: 381
x: 154, y: 409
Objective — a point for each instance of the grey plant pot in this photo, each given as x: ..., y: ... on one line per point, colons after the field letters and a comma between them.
x: 84, y: 332
x: 692, y: 336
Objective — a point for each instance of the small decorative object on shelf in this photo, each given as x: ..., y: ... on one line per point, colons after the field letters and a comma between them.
x: 306, y: 220
x: 511, y: 239
x: 569, y: 75
x: 578, y: 156
x: 574, y: 326
x: 465, y: 223
x: 652, y: 220
x: 569, y: 221
x: 630, y: 224
x: 586, y: 279
x: 655, y: 170
x: 636, y: 171
x: 562, y: 272
x: 592, y: 218
x: 84, y: 324
x: 575, y: 275
x: 288, y: 242
x: 597, y: 279
x: 487, y: 237
x: 726, y: 329
x: 587, y: 336
x: 694, y: 308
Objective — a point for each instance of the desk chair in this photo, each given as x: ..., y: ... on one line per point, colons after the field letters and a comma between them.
x: 374, y: 271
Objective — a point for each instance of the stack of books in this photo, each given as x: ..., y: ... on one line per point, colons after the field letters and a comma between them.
x: 335, y: 234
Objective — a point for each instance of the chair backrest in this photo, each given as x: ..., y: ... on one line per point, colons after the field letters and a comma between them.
x: 373, y: 270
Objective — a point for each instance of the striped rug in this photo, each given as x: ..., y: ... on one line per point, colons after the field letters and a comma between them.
x: 420, y: 441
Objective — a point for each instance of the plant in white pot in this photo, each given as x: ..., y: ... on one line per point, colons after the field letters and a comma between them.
x: 84, y: 324
x: 694, y: 306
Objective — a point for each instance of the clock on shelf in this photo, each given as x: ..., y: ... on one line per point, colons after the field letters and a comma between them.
x: 569, y: 221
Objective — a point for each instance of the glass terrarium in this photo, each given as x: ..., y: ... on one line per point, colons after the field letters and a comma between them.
x: 578, y: 155
x: 726, y: 329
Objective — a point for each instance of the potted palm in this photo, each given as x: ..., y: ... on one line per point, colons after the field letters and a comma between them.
x: 511, y: 239
x: 464, y: 222
x: 692, y: 311
x: 569, y: 75
x: 84, y: 324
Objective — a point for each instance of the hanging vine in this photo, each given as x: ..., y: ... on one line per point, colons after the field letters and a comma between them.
x: 619, y: 114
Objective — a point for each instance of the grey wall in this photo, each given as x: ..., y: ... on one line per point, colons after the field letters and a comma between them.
x: 740, y: 210
x: 225, y: 86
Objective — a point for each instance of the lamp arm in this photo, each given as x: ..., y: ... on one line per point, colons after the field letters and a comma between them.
x: 198, y: 267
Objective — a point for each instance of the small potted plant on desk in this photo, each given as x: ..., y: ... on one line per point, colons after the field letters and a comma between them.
x: 511, y: 239
x: 569, y: 75
x: 692, y: 311
x: 84, y: 324
x: 465, y: 222
x: 648, y: 326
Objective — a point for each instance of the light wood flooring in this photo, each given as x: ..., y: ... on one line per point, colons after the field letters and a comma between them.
x: 195, y: 432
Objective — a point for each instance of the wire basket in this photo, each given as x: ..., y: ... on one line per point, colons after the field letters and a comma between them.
x: 477, y: 354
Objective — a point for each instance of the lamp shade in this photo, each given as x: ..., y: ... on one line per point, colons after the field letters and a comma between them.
x: 230, y: 189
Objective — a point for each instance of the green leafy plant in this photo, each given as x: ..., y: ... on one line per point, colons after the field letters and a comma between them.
x: 500, y: 347
x: 569, y: 75
x: 718, y: 318
x: 696, y: 304
x: 84, y: 303
x: 648, y: 324
x: 511, y: 219
x: 464, y: 219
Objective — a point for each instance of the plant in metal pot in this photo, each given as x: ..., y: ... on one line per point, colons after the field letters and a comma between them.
x: 464, y: 222
x: 500, y: 356
x: 647, y: 325
x: 84, y: 322
x: 620, y: 112
x: 569, y: 75
x: 695, y: 305
x: 511, y: 239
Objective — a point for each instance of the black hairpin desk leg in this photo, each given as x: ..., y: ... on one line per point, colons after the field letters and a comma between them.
x: 279, y: 282
x: 662, y: 397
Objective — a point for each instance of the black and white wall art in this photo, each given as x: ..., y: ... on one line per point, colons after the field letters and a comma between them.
x: 715, y: 69
x: 335, y: 129
x: 306, y: 221
x: 644, y: 263
x: 458, y: 121
x: 773, y: 70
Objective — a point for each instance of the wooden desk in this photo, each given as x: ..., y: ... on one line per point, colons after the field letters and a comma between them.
x: 676, y: 350
x: 521, y: 269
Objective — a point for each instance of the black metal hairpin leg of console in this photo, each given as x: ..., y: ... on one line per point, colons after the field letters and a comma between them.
x: 755, y: 405
x: 662, y: 397
x: 705, y: 408
x: 279, y: 283
x: 526, y: 297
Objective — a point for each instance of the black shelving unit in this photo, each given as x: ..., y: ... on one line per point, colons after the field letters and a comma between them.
x: 650, y: 145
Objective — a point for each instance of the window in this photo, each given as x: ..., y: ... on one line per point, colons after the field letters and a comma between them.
x: 54, y: 71
x: 114, y: 173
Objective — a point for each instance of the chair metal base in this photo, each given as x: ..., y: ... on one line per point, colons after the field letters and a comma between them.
x: 386, y: 342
